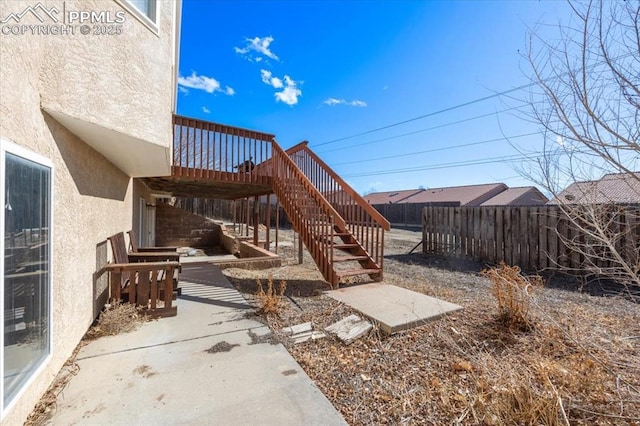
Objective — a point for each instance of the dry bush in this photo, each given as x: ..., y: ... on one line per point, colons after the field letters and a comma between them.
x: 117, y: 318
x: 513, y: 293
x: 270, y: 301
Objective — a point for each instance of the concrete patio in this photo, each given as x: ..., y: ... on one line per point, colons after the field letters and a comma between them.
x: 211, y: 364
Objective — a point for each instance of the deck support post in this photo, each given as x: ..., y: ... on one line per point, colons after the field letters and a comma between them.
x: 247, y: 219
x: 234, y: 215
x: 268, y: 223
x: 300, y: 253
x: 277, y: 222
x: 256, y: 220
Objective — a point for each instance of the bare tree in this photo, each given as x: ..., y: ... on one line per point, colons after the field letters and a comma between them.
x: 586, y: 97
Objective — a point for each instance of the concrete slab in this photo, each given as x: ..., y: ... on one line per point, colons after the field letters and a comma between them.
x: 211, y: 364
x: 393, y: 308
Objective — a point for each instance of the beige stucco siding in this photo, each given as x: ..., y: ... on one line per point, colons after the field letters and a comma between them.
x: 120, y: 82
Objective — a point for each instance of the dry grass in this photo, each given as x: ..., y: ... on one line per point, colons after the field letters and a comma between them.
x: 579, y: 365
x: 117, y: 318
x: 47, y: 403
x: 270, y: 301
x: 514, y: 294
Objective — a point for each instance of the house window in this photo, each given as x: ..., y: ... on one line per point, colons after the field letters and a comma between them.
x: 145, y: 10
x: 26, y: 179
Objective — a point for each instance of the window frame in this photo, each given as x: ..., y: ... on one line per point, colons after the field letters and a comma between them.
x: 151, y: 23
x: 9, y: 147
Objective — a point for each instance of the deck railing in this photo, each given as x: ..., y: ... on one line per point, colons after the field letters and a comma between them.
x: 216, y: 151
x: 362, y: 220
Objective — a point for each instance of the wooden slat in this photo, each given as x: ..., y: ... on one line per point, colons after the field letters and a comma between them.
x: 500, y: 249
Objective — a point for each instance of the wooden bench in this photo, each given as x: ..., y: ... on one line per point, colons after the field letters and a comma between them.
x: 133, y: 245
x: 145, y: 279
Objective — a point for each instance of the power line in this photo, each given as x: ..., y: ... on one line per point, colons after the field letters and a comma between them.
x: 431, y: 114
x: 480, y: 161
x: 444, y: 165
x: 504, y: 138
x: 422, y: 130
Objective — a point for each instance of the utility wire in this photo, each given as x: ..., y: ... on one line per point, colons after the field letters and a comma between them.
x: 500, y: 159
x: 422, y: 130
x: 441, y: 149
x: 431, y: 114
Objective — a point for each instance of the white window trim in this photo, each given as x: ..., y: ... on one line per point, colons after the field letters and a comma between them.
x: 154, y: 26
x: 12, y: 148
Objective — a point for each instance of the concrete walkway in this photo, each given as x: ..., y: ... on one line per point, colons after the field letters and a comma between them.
x: 210, y: 365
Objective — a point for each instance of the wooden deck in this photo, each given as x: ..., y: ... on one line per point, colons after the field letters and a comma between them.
x: 206, y: 184
x: 344, y: 235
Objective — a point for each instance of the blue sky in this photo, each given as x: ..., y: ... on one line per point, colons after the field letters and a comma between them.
x: 325, y: 71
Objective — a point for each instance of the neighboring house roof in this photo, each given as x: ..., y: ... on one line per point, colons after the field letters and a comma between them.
x: 611, y: 188
x: 390, y: 197
x: 469, y: 195
x: 519, y: 196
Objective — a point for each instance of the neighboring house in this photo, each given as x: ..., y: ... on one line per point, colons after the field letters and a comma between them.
x: 519, y: 196
x: 390, y: 197
x: 611, y: 188
x: 81, y: 115
x: 469, y: 195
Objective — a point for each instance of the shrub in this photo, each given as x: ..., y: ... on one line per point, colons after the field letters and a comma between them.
x: 513, y: 293
x: 117, y: 318
x: 270, y: 301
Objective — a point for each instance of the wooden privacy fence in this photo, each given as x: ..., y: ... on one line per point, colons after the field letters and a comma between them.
x: 533, y: 238
x: 408, y: 214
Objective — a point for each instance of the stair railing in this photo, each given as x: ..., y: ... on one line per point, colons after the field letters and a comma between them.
x: 361, y: 219
x: 312, y: 216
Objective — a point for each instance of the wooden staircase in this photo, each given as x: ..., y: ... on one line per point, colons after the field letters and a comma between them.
x: 358, y: 239
x: 341, y: 231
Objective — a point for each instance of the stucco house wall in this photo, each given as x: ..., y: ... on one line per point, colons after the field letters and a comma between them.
x: 70, y: 98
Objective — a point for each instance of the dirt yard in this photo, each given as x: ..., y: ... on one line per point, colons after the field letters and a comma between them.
x: 578, y: 363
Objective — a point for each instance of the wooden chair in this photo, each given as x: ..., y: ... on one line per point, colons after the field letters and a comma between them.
x: 151, y: 254
x: 143, y: 278
x: 133, y: 245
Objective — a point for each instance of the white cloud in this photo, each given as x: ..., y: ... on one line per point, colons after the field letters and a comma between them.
x: 202, y: 82
x: 267, y: 78
x: 183, y: 90
x: 206, y: 110
x: 290, y: 91
x: 334, y: 101
x: 289, y: 95
x: 259, y: 46
x: 358, y: 103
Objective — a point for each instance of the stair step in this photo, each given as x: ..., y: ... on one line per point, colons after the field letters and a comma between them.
x: 327, y: 237
x: 349, y: 258
x: 352, y: 272
x: 345, y: 246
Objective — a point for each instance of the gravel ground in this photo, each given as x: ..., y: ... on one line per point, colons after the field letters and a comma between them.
x: 578, y: 363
